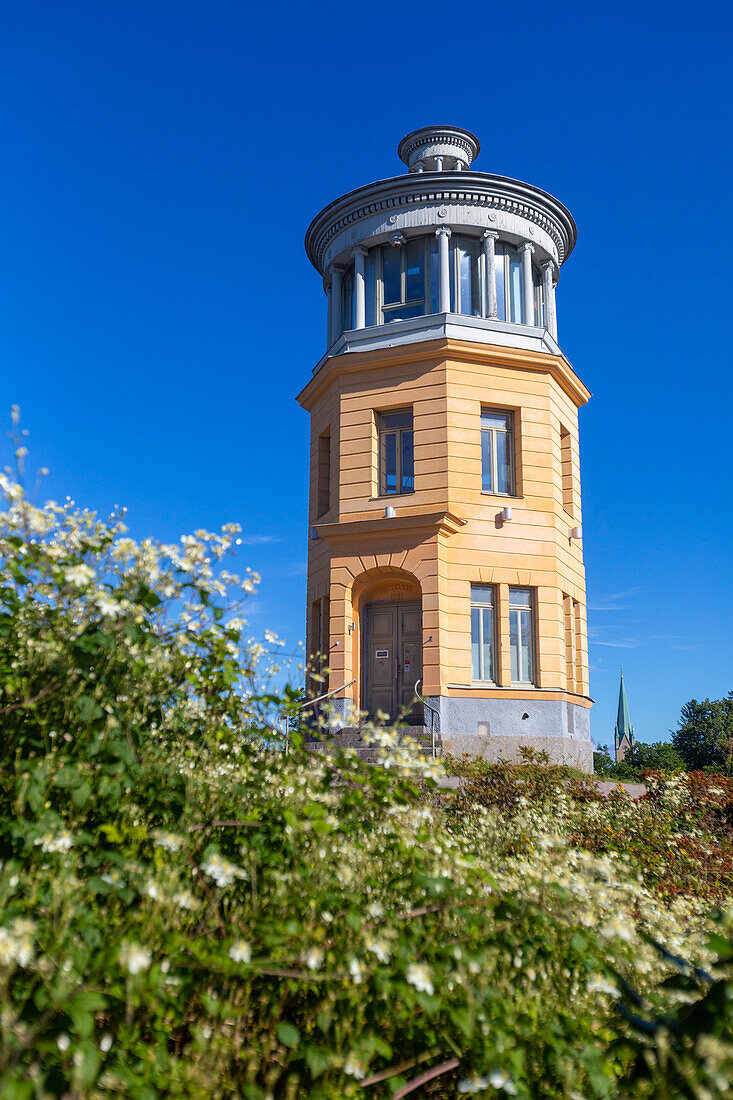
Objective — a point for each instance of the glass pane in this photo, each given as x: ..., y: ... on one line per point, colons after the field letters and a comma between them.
x: 389, y: 462
x: 491, y: 419
x: 434, y: 275
x: 476, y: 307
x: 475, y: 644
x: 539, y: 305
x: 347, y: 299
x: 500, y: 290
x: 520, y: 597
x: 488, y: 640
x: 503, y: 462
x: 464, y: 278
x: 452, y: 273
x: 408, y: 463
x: 415, y: 270
x: 482, y: 593
x: 514, y: 643
x: 370, y: 288
x: 391, y: 278
x: 515, y: 287
x: 400, y: 418
x: 527, y: 670
x: 402, y: 313
x: 468, y: 251
x: 486, y: 447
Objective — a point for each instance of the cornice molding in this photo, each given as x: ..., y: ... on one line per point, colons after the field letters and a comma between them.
x: 444, y: 523
x: 500, y: 193
x: 439, y: 351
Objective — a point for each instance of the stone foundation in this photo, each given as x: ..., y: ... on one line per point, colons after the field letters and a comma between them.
x: 496, y: 729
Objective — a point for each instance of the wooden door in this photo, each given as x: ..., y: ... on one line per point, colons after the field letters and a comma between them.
x: 392, y: 659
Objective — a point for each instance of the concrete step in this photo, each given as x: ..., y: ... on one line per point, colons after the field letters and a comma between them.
x: 351, y: 737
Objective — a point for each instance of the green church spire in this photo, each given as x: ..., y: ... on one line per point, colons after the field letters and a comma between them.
x: 623, y: 737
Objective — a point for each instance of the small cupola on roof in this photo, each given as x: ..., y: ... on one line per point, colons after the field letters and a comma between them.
x: 441, y: 250
x: 439, y: 149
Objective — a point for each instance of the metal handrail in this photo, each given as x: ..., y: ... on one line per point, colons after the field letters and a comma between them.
x: 312, y: 702
x: 433, y: 711
x: 320, y: 698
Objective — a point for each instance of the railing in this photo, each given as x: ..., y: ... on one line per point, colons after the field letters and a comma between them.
x: 311, y: 703
x: 433, y: 711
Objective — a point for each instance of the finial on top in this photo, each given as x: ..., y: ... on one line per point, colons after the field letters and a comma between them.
x: 439, y: 149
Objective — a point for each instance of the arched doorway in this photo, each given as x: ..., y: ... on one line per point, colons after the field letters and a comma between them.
x: 390, y: 609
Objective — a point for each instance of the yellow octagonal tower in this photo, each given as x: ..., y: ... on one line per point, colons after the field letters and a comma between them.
x: 445, y: 566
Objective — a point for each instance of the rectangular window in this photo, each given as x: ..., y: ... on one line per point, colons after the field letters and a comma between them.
x: 320, y: 645
x: 467, y: 252
x: 482, y: 632
x: 569, y: 605
x: 497, y: 452
x: 566, y: 451
x: 515, y: 304
x: 521, y: 635
x: 323, y: 475
x: 396, y: 459
x: 347, y: 299
x: 403, y: 280
x: 577, y: 646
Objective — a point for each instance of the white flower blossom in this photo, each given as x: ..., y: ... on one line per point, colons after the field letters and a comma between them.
x: 240, y: 951
x: 419, y: 976
x: 135, y: 958
x: 222, y: 870
x: 357, y: 970
x: 499, y: 1080
x: 314, y: 958
x: 170, y: 841
x: 184, y: 899
x: 379, y: 946
x: 63, y: 1042
x: 81, y: 576
x: 473, y: 1084
x: 355, y: 1067
x: 16, y: 943
x: 55, y: 842
x: 599, y: 984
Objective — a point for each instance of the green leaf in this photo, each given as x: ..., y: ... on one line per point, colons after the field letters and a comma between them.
x: 88, y: 1063
x: 288, y: 1035
x: 318, y: 1060
x: 81, y: 794
x: 88, y: 708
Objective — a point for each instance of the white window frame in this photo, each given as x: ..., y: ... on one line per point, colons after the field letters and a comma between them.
x: 482, y: 605
x: 494, y: 453
x: 517, y: 609
x: 383, y: 311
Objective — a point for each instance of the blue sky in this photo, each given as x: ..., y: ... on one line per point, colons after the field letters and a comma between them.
x: 161, y: 163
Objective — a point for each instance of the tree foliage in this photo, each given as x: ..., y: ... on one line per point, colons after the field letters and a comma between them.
x: 660, y: 756
x: 704, y: 737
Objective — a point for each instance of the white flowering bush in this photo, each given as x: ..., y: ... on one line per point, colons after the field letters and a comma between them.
x: 186, y: 910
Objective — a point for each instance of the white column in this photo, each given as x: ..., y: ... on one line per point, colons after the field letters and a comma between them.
x: 443, y: 235
x: 526, y: 248
x: 336, y: 325
x: 359, y: 288
x: 548, y: 289
x: 329, y: 313
x: 490, y: 305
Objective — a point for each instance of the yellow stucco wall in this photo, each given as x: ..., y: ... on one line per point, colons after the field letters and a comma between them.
x: 448, y: 534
